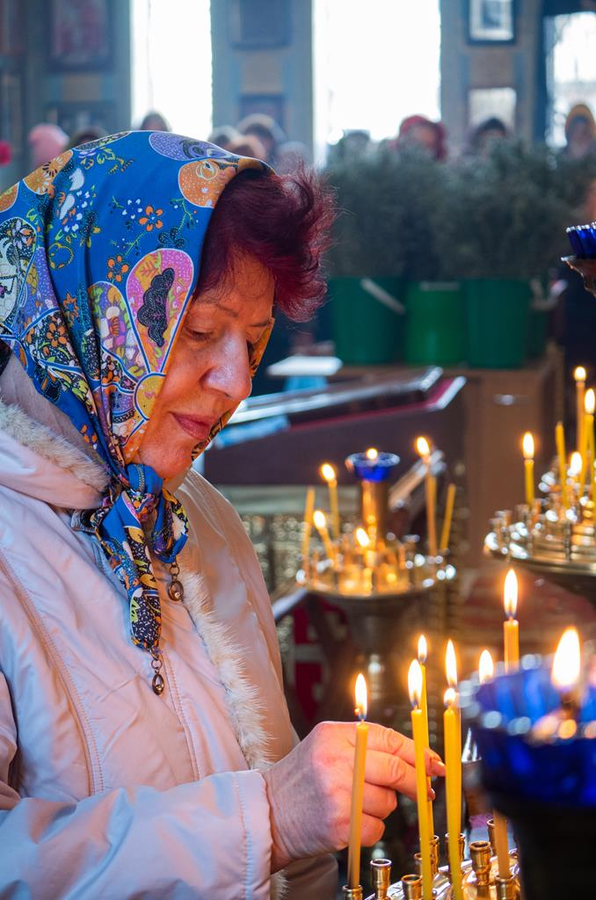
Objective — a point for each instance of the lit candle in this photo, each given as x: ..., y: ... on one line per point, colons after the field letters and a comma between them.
x: 565, y: 674
x: 415, y: 689
x: 329, y: 475
x: 560, y: 441
x: 358, y: 784
x: 372, y: 453
x: 422, y: 653
x: 321, y: 526
x: 528, y: 449
x: 511, y: 625
x: 449, y: 503
x: 580, y: 386
x: 575, y: 466
x: 423, y: 448
x: 308, y: 513
x: 588, y: 438
x: 452, y: 740
x: 369, y: 572
x: 486, y: 671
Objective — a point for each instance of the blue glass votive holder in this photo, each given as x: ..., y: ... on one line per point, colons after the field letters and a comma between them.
x: 546, y: 786
x: 373, y: 474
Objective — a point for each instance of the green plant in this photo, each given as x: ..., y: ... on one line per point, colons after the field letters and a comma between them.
x: 507, y: 214
x: 387, y: 203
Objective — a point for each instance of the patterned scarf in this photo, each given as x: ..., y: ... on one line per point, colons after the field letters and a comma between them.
x: 99, y: 260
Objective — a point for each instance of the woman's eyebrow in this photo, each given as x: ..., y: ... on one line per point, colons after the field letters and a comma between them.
x: 235, y: 314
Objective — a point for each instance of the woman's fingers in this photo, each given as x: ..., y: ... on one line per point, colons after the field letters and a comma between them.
x: 378, y: 801
x: 372, y: 830
x: 390, y: 741
x: 390, y: 771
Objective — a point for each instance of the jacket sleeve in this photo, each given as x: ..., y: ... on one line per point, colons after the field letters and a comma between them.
x: 208, y: 839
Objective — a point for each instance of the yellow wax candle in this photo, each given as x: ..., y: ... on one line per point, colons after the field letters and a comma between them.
x: 449, y: 503
x: 528, y: 449
x: 309, y: 508
x: 328, y: 473
x: 452, y: 738
x: 511, y: 625
x: 415, y: 688
x: 423, y: 448
x: 588, y: 438
x: 486, y: 671
x: 422, y: 651
x: 321, y: 525
x: 580, y: 387
x: 358, y: 785
x: 560, y: 441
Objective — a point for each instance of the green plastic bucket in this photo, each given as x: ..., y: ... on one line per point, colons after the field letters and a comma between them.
x: 366, y: 330
x: 537, y: 333
x: 436, y: 323
x: 498, y: 311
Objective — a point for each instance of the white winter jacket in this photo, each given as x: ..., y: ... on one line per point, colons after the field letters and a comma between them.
x: 107, y: 790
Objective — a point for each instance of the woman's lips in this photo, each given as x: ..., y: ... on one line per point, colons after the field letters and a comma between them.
x: 199, y: 429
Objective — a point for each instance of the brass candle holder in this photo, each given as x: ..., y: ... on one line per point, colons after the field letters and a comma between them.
x: 480, y: 878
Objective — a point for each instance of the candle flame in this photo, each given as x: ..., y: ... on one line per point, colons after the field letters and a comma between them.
x: 450, y: 697
x: 361, y: 695
x: 528, y: 445
x: 372, y: 453
x: 328, y: 472
x: 423, y: 447
x: 422, y: 650
x: 415, y: 683
x: 319, y: 520
x: 575, y: 465
x: 362, y: 538
x: 486, y: 667
x: 579, y: 373
x: 451, y: 665
x: 590, y: 402
x: 567, y: 662
x: 510, y: 594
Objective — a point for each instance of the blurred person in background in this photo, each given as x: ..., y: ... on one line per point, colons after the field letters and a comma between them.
x: 45, y: 142
x: 580, y: 132
x: 247, y: 145
x: 485, y: 135
x: 429, y: 136
x: 85, y: 135
x: 223, y: 135
x: 268, y: 132
x: 154, y: 121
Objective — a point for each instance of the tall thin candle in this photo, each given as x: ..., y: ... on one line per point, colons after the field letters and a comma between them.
x: 422, y: 653
x: 560, y: 441
x: 590, y: 402
x: 453, y: 787
x: 358, y: 784
x: 579, y: 375
x: 329, y: 475
x: 415, y: 689
x: 449, y: 504
x: 528, y: 449
x: 486, y: 671
x: 423, y: 448
x: 511, y: 625
x: 309, y: 509
x: 321, y: 525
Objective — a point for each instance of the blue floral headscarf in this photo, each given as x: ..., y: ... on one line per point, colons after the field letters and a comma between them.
x: 99, y: 259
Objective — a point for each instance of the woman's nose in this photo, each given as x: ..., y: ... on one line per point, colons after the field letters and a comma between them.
x: 230, y: 371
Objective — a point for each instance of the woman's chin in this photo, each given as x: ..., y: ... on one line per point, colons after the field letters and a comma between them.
x: 170, y: 463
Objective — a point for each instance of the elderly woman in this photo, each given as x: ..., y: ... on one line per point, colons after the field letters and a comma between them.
x: 145, y: 744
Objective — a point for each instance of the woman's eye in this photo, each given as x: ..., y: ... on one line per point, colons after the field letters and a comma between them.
x: 200, y: 335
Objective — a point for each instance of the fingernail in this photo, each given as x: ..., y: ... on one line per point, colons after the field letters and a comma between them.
x: 437, y: 767
x: 431, y: 794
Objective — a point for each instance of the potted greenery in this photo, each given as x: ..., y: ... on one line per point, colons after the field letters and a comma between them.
x: 389, y: 204
x: 507, y: 218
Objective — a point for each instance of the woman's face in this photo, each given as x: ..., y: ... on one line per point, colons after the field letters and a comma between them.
x: 209, y: 372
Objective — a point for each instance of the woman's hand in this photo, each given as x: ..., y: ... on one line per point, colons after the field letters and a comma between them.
x: 310, y: 790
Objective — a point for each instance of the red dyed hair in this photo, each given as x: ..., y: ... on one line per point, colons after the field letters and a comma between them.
x: 284, y: 222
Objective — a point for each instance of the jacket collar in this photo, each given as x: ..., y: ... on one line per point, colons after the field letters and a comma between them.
x: 40, y: 464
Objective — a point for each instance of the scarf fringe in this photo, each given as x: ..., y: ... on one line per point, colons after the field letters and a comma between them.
x: 242, y: 699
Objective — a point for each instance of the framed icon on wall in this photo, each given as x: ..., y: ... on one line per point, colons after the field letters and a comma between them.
x: 80, y: 34
x: 491, y: 21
